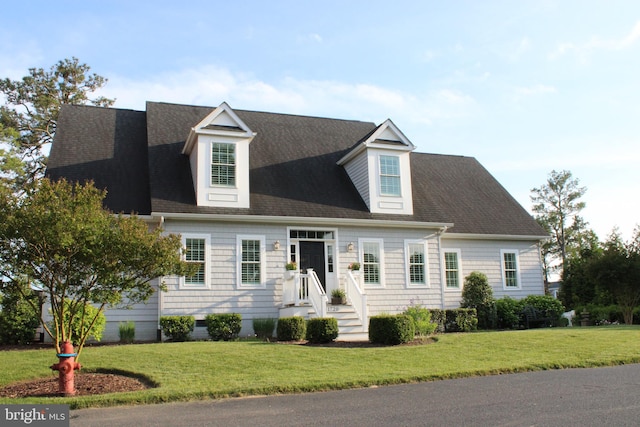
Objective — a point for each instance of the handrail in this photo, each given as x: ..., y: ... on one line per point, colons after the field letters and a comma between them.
x: 358, y: 298
x: 317, y: 296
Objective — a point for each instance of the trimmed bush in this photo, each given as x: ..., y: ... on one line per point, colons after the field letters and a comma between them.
x: 421, y: 320
x: 322, y: 329
x: 462, y: 320
x: 478, y: 294
x: 223, y: 326
x: 264, y: 327
x: 291, y: 328
x: 391, y: 330
x: 177, y: 328
x: 127, y: 332
x: 18, y: 321
x: 439, y: 318
x: 547, y: 304
x: 508, y: 311
x: 455, y: 320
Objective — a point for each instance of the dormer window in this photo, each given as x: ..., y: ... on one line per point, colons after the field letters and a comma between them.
x: 380, y: 168
x: 223, y: 165
x: 390, y: 176
x: 218, y: 150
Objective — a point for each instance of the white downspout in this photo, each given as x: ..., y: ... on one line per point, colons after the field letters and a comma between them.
x: 441, y: 262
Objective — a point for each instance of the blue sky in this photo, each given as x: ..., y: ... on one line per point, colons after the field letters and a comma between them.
x: 525, y: 87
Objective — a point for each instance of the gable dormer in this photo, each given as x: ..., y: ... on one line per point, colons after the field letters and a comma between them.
x: 380, y: 168
x: 218, y: 150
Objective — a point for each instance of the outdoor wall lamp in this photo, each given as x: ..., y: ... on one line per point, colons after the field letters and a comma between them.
x: 276, y: 245
x: 350, y: 247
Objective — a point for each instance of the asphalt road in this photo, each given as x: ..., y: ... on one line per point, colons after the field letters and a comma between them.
x: 570, y: 397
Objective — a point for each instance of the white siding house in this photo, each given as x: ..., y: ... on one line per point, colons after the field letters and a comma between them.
x: 251, y: 191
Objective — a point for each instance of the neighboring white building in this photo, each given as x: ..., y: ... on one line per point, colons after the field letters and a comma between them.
x: 250, y: 191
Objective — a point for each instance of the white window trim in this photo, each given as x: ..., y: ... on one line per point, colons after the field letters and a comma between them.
x: 235, y: 153
x: 380, y: 243
x: 207, y: 260
x: 399, y: 176
x: 503, y: 272
x: 263, y: 261
x: 407, y: 243
x: 444, y: 271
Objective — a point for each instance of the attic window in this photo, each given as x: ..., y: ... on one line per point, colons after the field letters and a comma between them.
x: 390, y: 176
x: 223, y: 164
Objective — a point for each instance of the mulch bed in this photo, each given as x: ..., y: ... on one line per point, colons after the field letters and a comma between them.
x: 87, y: 383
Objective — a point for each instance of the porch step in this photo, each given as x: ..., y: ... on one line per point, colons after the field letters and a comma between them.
x: 350, y: 328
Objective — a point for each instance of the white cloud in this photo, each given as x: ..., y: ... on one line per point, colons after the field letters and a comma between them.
x: 211, y: 85
x: 596, y: 43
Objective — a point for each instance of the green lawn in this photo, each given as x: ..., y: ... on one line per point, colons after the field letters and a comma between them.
x: 196, y: 370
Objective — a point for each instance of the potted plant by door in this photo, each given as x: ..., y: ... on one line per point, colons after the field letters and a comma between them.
x: 338, y: 297
x: 290, y: 269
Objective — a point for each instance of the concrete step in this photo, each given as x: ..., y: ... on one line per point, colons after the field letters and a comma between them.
x: 353, y: 336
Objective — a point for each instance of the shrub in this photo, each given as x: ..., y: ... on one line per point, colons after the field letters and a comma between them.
x: 223, y: 326
x: 177, y: 328
x: 81, y: 324
x: 263, y: 328
x: 462, y: 320
x: 547, y: 304
x: 322, y: 329
x: 600, y: 314
x: 391, y: 330
x: 291, y: 328
x: 508, y: 313
x: 439, y: 318
x: 478, y: 294
x: 421, y: 320
x: 127, y: 332
x: 18, y: 320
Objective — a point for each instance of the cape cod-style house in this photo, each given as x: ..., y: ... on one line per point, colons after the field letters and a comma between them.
x: 251, y: 191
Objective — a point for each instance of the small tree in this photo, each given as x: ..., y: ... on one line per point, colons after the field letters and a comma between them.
x: 30, y: 112
x: 478, y: 294
x: 60, y: 239
x: 557, y: 206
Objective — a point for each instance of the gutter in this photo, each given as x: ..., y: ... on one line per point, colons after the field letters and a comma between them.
x: 289, y: 220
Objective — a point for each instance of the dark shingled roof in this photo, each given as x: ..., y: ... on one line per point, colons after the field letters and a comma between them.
x: 138, y: 157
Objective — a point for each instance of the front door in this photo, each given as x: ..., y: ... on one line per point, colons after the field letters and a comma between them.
x: 312, y: 256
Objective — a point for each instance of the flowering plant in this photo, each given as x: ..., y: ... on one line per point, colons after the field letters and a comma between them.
x: 354, y: 266
x: 291, y: 266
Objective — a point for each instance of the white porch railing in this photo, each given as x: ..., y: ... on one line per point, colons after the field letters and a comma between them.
x: 304, y: 288
x: 317, y: 296
x: 355, y: 294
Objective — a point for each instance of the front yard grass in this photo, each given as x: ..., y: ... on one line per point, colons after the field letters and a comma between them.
x: 199, y: 370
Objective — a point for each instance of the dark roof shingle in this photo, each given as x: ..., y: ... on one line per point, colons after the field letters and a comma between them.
x: 138, y: 157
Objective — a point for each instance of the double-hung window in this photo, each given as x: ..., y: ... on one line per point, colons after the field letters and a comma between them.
x: 372, y: 262
x: 452, y: 273
x: 390, y: 175
x: 196, y: 252
x: 251, y: 261
x: 510, y: 269
x: 416, y: 262
x: 223, y: 164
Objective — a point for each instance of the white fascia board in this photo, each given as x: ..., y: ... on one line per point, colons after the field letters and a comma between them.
x: 388, y: 124
x: 300, y: 220
x: 351, y: 154
x: 472, y: 236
